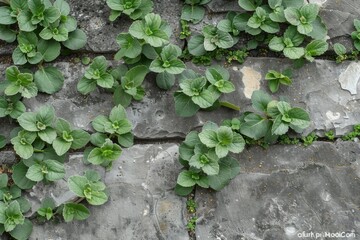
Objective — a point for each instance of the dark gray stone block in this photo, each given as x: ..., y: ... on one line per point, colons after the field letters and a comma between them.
x: 285, y: 191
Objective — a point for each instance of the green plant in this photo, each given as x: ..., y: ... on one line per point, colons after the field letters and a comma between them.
x: 104, y: 154
x: 11, y: 106
x: 135, y: 9
x: 340, y: 51
x: 68, y: 138
x: 128, y: 84
x: 199, y: 92
x: 309, y: 139
x: 17, y: 82
x: 193, y: 10
x: 116, y: 125
x: 276, y: 118
x: 289, y: 44
x: 356, y: 34
x: 96, y: 74
x: 185, y: 29
x: 330, y: 135
x: 302, y: 17
x: 89, y: 187
x: 191, y: 205
x: 276, y: 78
x: 285, y: 139
x: 353, y: 134
x: 46, y: 209
x: 191, y: 225
x: 204, y: 156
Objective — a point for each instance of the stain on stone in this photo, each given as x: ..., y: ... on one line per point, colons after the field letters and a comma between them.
x: 350, y: 77
x: 332, y: 116
x: 251, y: 80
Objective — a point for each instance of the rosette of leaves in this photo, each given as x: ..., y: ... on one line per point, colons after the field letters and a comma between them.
x: 210, y: 39
x: 96, y: 74
x: 12, y: 208
x: 46, y: 210
x: 11, y: 106
x: 167, y: 65
x: 40, y: 123
x: 23, y: 143
x: 17, y: 82
x: 275, y: 119
x: 355, y: 35
x: 68, y: 138
x: 289, y: 44
x: 231, y: 23
x: 198, y: 92
x: 116, y: 125
x: 43, y: 165
x: 13, y: 221
x: 135, y: 9
x: 105, y: 152
x: 261, y: 20
x: 204, y: 155
x: 315, y: 48
x: 52, y: 22
x: 89, y: 187
x: 275, y: 78
x: 193, y: 10
x: 302, y: 17
x: 129, y: 84
x: 152, y: 30
x: 75, y: 211
x: 27, y: 50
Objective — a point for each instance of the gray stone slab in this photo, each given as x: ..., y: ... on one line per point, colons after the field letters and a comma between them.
x: 7, y: 157
x: 285, y: 191
x: 142, y: 202
x: 92, y: 17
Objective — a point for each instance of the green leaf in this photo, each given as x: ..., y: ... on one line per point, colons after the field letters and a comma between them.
x: 193, y: 13
x: 277, y: 44
x: 255, y: 126
x: 61, y: 146
x: 339, y: 49
x: 49, y: 80
x: 129, y: 47
x: 299, y: 118
x: 22, y: 231
x: 229, y: 169
x: 184, y: 105
x: 293, y: 16
x: 165, y: 80
x: 249, y: 5
x: 316, y: 48
x: 3, y: 180
x: 260, y: 100
x: 185, y: 179
x: 98, y: 198
x: 7, y: 34
x: 63, y: 7
x: 183, y: 191
x: 5, y: 16
x: 48, y: 135
x: 196, y: 45
x: 81, y: 138
x: 73, y: 211
x: 77, y: 184
x: 209, y: 138
x: 294, y: 52
x: 77, y: 39
x: 279, y: 127
x: 204, y: 100
x: 19, y: 171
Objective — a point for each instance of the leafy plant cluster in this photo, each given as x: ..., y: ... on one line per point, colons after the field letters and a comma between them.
x: 263, y: 22
x: 205, y: 155
x: 202, y: 92
x: 41, y: 29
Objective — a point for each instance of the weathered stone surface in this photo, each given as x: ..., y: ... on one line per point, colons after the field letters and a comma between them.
x: 285, y: 191
x: 315, y: 87
x: 142, y: 203
x: 7, y: 158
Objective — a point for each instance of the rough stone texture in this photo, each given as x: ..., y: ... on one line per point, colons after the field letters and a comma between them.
x: 7, y: 158
x: 284, y: 191
x: 142, y: 202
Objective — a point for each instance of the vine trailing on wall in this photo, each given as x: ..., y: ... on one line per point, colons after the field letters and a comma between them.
x: 42, y: 29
